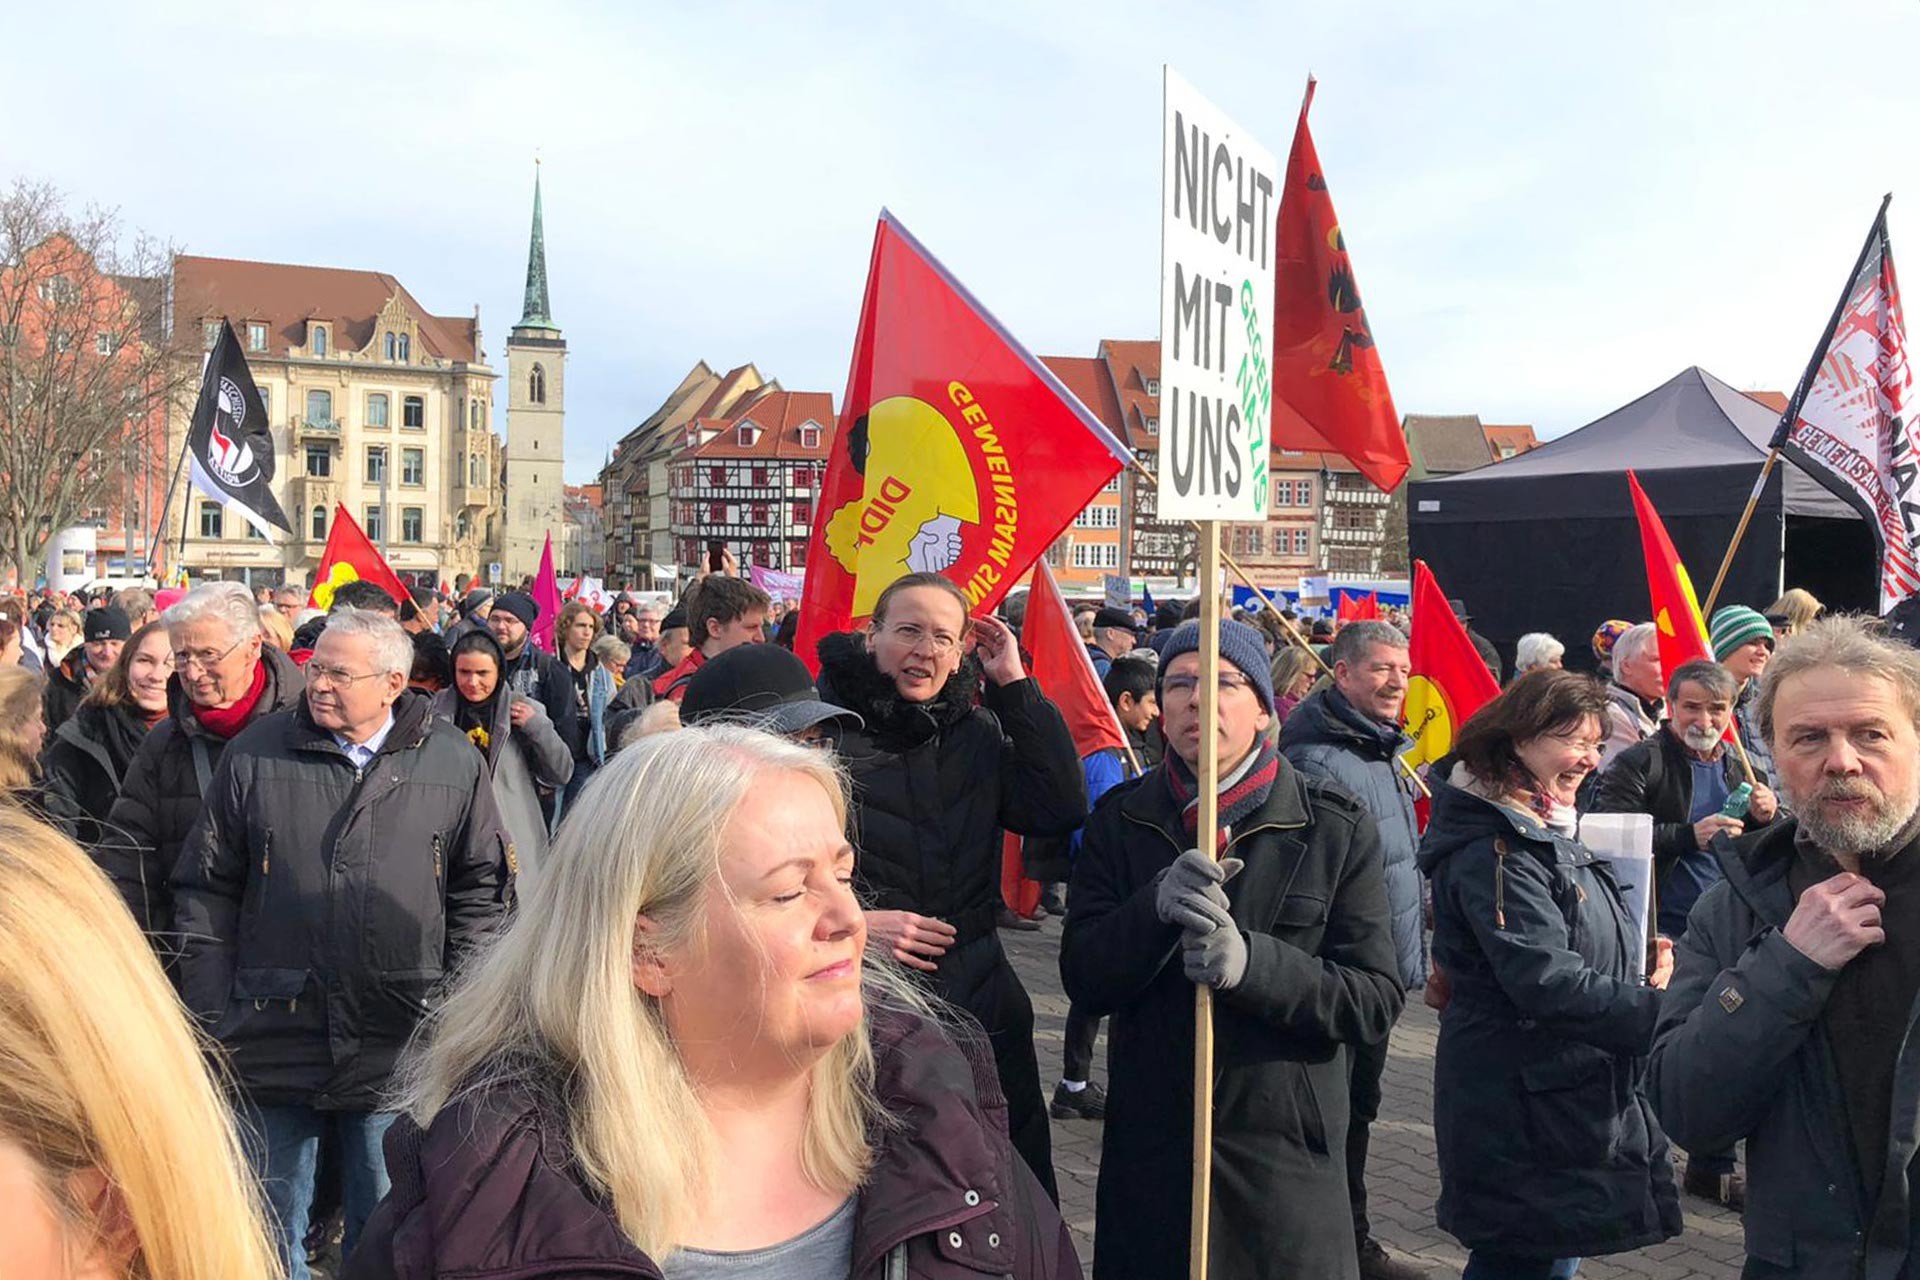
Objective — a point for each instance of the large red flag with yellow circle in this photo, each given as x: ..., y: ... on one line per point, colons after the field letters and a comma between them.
x: 958, y: 452
x: 349, y: 557
x: 1450, y: 679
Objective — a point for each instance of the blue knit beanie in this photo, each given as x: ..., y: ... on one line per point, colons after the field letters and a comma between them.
x: 1240, y: 645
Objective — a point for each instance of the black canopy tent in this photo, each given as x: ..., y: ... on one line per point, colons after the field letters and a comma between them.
x: 1547, y: 541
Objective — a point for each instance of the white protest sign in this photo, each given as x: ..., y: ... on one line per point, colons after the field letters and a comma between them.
x: 1219, y: 197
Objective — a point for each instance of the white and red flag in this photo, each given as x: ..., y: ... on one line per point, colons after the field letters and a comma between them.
x: 1849, y: 425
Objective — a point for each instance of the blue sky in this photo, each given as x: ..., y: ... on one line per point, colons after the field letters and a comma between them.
x: 1551, y: 208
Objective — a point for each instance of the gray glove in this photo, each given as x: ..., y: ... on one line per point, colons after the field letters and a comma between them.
x: 1216, y: 959
x: 1189, y: 892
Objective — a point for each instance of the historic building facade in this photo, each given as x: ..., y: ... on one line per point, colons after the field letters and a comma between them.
x: 751, y: 480
x: 536, y: 418
x: 374, y: 403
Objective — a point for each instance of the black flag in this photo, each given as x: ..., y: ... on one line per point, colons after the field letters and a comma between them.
x: 232, y: 449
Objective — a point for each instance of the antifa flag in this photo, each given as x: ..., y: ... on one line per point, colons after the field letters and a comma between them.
x: 232, y: 450
x: 1329, y: 388
x: 1450, y: 680
x: 958, y: 452
x: 349, y: 557
x: 1848, y: 426
x: 1676, y: 609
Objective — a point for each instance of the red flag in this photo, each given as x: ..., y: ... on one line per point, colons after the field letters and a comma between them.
x: 1676, y: 610
x: 958, y: 452
x: 1329, y: 389
x: 349, y: 557
x: 1064, y: 670
x: 546, y: 594
x: 1450, y: 681
x: 1358, y: 608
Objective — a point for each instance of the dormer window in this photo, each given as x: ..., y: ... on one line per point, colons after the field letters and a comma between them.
x: 745, y: 435
x: 809, y: 437
x: 391, y: 347
x: 1153, y: 386
x: 406, y: 348
x: 318, y: 342
x: 1153, y: 426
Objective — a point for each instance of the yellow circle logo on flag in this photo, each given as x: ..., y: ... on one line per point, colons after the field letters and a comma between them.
x: 1429, y: 721
x: 338, y: 576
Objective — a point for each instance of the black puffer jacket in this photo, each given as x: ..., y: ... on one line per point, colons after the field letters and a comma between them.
x: 1546, y: 1146
x: 321, y: 906
x: 86, y: 759
x: 66, y: 686
x: 160, y: 798
x: 935, y: 782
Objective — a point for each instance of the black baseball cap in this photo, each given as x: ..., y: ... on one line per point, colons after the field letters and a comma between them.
x: 762, y: 682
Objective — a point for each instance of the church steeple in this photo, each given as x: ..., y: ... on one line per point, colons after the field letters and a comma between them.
x: 538, y: 312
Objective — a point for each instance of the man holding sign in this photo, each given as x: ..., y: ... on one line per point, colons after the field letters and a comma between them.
x: 1288, y: 926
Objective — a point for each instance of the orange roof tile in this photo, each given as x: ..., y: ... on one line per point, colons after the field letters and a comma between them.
x: 286, y: 298
x: 1086, y: 377
x: 1774, y: 400
x: 780, y: 415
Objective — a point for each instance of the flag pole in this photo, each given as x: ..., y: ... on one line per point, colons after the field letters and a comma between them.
x: 1206, y: 830
x: 166, y: 504
x: 1794, y: 405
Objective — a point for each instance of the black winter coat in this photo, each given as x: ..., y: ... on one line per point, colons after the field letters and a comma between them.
x: 160, y: 799
x: 1326, y: 738
x: 1546, y: 1146
x: 1741, y: 1053
x: 85, y: 761
x: 66, y: 686
x: 1321, y: 974
x: 323, y: 907
x: 491, y: 1187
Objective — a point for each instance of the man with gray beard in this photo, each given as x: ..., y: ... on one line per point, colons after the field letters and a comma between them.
x: 1786, y: 1020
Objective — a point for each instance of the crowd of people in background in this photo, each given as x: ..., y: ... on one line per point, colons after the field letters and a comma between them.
x: 706, y: 950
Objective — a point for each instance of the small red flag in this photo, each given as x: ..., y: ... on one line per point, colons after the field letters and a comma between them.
x: 958, y: 451
x: 349, y: 557
x: 1329, y: 388
x: 546, y: 594
x: 1354, y: 607
x: 1063, y: 669
x: 1450, y: 680
x: 1676, y: 610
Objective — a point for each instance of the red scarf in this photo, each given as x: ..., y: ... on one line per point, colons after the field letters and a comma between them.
x: 224, y: 722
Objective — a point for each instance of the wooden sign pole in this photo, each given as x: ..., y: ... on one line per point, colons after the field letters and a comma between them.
x: 1209, y: 787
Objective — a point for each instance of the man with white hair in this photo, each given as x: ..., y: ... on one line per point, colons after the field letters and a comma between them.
x: 1636, y: 691
x: 349, y: 855
x: 1786, y: 1021
x: 224, y: 678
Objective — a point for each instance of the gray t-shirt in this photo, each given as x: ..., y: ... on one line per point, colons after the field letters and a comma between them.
x: 823, y: 1252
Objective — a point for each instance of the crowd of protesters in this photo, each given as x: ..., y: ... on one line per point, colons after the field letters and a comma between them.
x: 658, y: 954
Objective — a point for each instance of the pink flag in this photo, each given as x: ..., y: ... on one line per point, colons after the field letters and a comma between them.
x: 546, y: 594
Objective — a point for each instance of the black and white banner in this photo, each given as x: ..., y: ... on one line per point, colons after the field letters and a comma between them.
x: 231, y: 448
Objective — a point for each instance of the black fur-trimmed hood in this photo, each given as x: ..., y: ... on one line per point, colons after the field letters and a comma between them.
x: 849, y: 678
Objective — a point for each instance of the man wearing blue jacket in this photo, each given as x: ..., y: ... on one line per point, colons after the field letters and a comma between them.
x: 1349, y: 734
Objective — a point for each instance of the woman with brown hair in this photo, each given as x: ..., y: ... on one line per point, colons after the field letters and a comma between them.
x: 23, y: 730
x: 1547, y: 1150
x: 90, y: 753
x: 118, y: 1157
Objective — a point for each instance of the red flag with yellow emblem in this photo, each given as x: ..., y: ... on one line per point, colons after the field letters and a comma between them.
x: 1450, y: 680
x: 1676, y: 610
x: 349, y: 557
x: 958, y: 452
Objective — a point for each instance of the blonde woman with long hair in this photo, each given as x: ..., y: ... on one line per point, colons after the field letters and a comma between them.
x: 681, y: 1056
x: 118, y: 1157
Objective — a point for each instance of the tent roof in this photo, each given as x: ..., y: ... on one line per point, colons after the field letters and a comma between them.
x: 1692, y: 420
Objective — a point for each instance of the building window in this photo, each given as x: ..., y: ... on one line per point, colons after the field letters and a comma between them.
x: 317, y: 524
x: 803, y: 477
x: 377, y: 409
x: 319, y: 340
x: 473, y: 415
x: 406, y: 348
x: 760, y: 480
x: 1098, y: 517
x: 103, y: 344
x: 252, y: 532
x: 376, y: 464
x: 717, y: 476
x: 798, y: 556
x: 1153, y: 386
x: 319, y: 460
x: 716, y: 513
x: 390, y: 347
x: 211, y: 520
x: 413, y: 522
x: 745, y: 436
x: 809, y: 437
x: 473, y: 469
x: 1113, y: 485
x: 413, y: 413
x: 210, y: 333
x: 760, y: 515
x: 1300, y: 542
x: 320, y: 408
x: 537, y: 385
x: 462, y: 526
x: 375, y: 522
x: 256, y: 337
x: 413, y: 466
x: 1096, y: 555
x: 1153, y: 426
x: 803, y: 513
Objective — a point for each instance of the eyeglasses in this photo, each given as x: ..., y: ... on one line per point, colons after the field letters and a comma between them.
x: 337, y: 677
x: 1596, y: 745
x: 1187, y: 686
x: 187, y: 660
x: 912, y: 634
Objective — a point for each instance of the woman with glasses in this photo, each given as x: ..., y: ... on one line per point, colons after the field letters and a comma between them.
x: 1548, y: 1152
x: 523, y: 750
x: 90, y: 752
x: 224, y: 678
x: 958, y: 744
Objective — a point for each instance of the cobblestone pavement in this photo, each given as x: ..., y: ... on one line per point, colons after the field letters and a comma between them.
x: 1402, y: 1181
